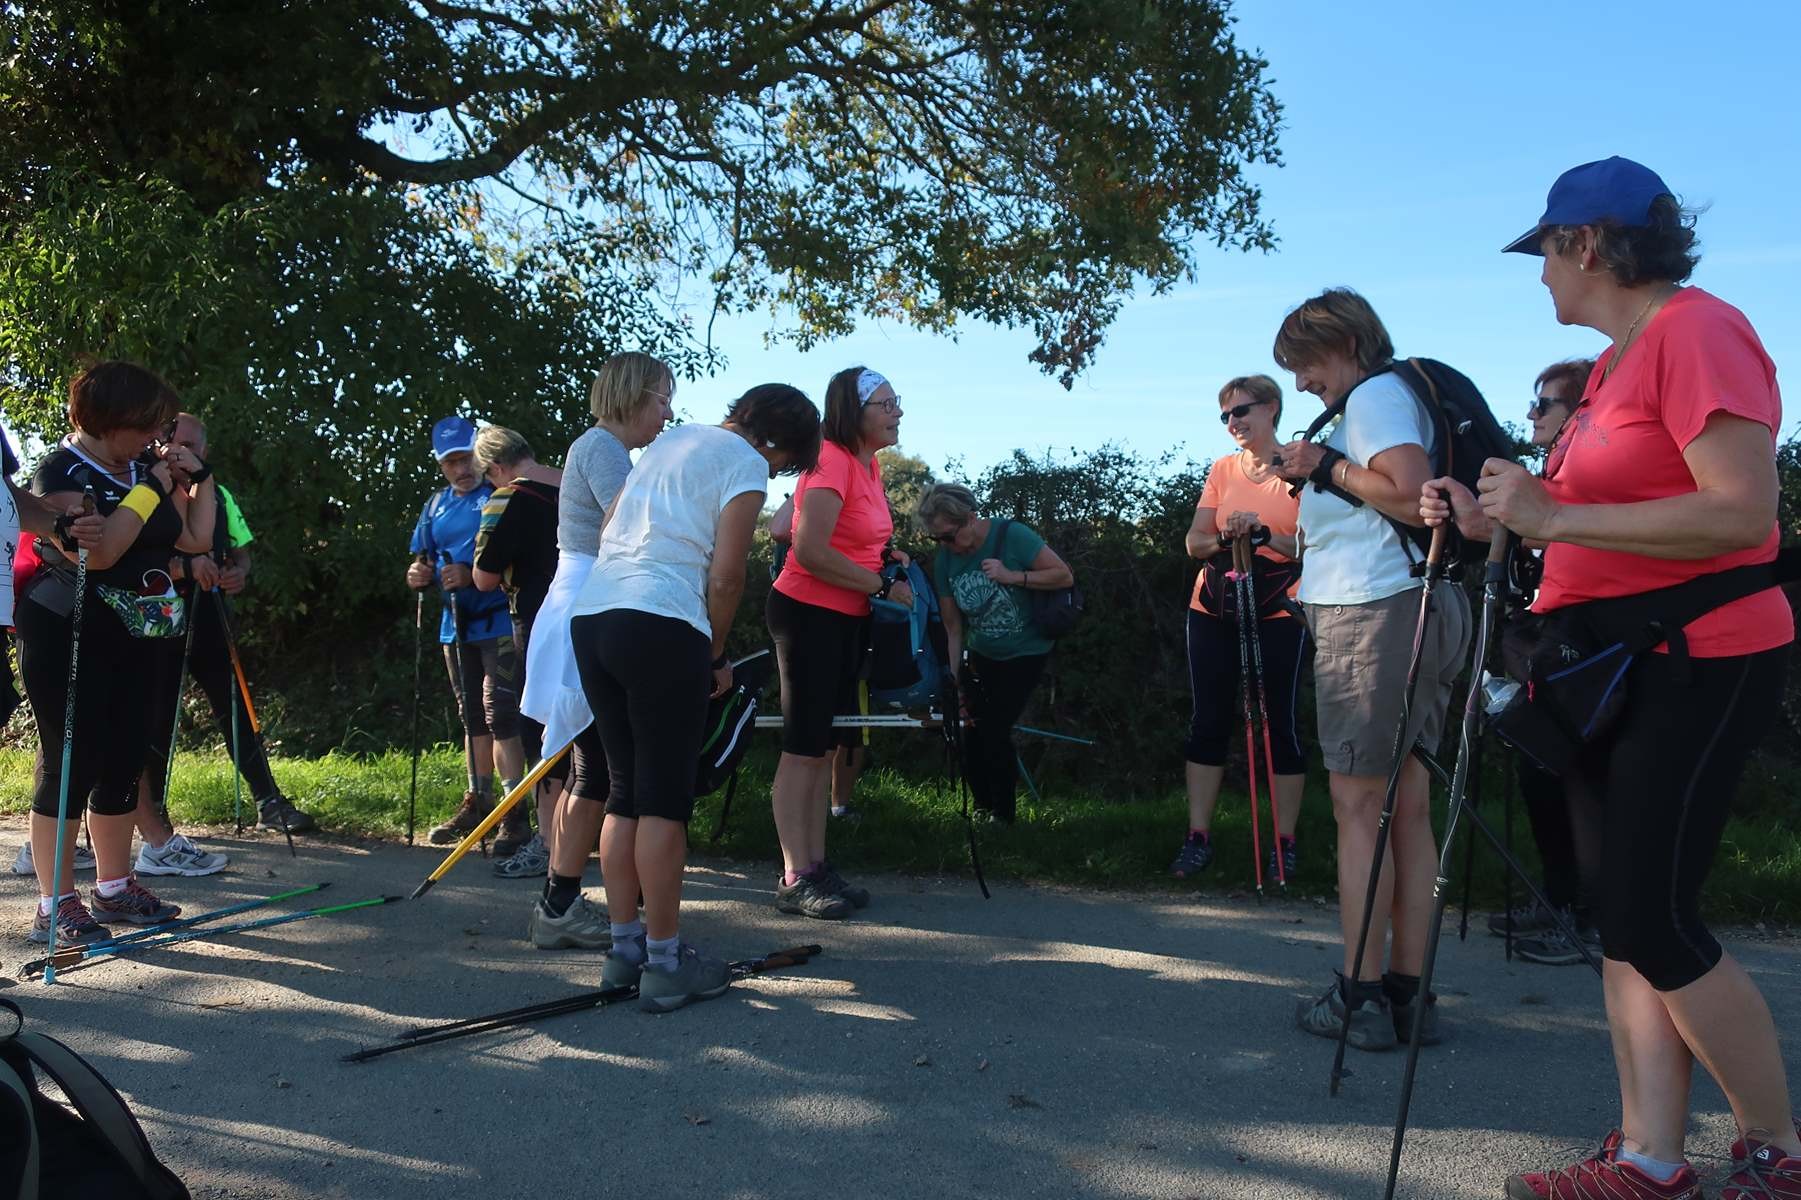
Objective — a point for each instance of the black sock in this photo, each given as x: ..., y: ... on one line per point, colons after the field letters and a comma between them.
x: 1359, y: 991
x: 560, y: 892
x: 1400, y: 989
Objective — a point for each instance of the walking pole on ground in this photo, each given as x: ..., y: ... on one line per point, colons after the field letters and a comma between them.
x: 1494, y: 583
x: 1435, y: 569
x: 30, y: 969
x: 75, y: 954
x: 412, y: 797
x: 62, y: 794
x: 1469, y: 849
x: 181, y: 686
x: 1239, y: 545
x: 456, y: 672
x: 488, y: 822
x: 256, y: 724
x: 1269, y: 755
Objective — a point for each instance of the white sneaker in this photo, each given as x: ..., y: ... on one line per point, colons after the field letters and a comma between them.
x: 84, y: 860
x: 177, y: 856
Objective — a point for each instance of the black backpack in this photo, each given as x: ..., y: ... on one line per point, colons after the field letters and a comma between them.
x: 90, y: 1149
x: 1053, y: 613
x: 731, y: 720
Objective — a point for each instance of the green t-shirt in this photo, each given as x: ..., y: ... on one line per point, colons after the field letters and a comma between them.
x: 237, y: 533
x: 997, y: 617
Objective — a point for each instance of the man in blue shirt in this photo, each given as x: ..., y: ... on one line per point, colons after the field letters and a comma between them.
x: 477, y: 633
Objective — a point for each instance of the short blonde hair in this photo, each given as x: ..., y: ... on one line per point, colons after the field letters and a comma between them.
x: 625, y: 385
x: 945, y: 501
x: 1337, y: 321
x: 498, y: 444
x: 1260, y: 388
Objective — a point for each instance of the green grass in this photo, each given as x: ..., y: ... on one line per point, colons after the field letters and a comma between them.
x: 912, y: 823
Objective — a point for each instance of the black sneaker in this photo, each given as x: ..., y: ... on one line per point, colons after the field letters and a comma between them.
x: 807, y: 897
x: 1284, y: 847
x: 1193, y: 858
x: 1553, y: 947
x: 1530, y: 917
x: 278, y: 812
x: 837, y: 885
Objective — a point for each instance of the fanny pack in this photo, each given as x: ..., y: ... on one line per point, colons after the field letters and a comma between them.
x: 1271, y: 582
x: 156, y: 615
x: 1566, y: 670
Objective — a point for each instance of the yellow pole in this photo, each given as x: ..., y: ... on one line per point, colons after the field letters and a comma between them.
x: 491, y: 820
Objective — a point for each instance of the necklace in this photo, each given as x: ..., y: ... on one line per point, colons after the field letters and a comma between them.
x: 1631, y: 332
x: 99, y: 460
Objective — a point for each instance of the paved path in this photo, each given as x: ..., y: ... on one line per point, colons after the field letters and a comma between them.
x: 1049, y: 1042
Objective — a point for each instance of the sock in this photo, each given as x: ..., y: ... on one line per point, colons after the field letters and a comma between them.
x: 506, y: 789
x: 1656, y: 1168
x: 46, y: 904
x: 108, y: 888
x: 484, y: 786
x: 662, y: 952
x: 560, y: 892
x: 790, y: 878
x: 1400, y: 989
x: 1286, y: 841
x: 625, y: 941
x: 1200, y: 835
x: 1359, y: 991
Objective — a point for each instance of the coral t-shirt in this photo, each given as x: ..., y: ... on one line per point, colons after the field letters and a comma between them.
x: 1696, y: 357
x: 863, y: 529
x: 1228, y: 490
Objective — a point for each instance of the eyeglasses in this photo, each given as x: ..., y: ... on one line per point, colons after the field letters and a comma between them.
x: 890, y: 406
x: 945, y: 539
x: 1237, y: 411
x: 1560, y: 448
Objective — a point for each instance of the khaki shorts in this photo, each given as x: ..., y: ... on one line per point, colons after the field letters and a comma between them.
x: 1360, y: 673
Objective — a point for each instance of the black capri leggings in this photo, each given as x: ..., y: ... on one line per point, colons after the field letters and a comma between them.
x: 818, y: 654
x: 113, y: 702
x: 647, y: 679
x: 1657, y: 792
x: 489, y: 700
x: 1213, y: 684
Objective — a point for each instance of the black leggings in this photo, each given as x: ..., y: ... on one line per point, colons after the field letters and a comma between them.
x: 1548, y: 813
x: 1213, y: 684
x: 489, y: 700
x: 588, y: 778
x: 647, y: 679
x: 818, y: 654
x: 1657, y: 791
x: 997, y: 691
x: 113, y: 703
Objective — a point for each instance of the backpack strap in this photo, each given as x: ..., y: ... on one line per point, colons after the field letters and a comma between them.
x: 104, y: 1110
x: 21, y: 1088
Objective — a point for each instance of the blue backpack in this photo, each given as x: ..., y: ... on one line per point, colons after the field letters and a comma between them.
x: 906, y: 664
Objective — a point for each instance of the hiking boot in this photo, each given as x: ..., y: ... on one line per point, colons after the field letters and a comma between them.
x: 1531, y: 917
x: 619, y: 971
x: 694, y: 978
x: 22, y: 865
x: 1284, y: 847
x: 75, y: 926
x: 583, y: 927
x: 1601, y: 1177
x: 1193, y: 858
x: 1554, y: 948
x: 460, y: 826
x: 847, y: 814
x: 277, y: 812
x: 1403, y: 1015
x: 135, y: 904
x: 531, y: 859
x: 837, y: 885
x: 1760, y: 1171
x: 177, y: 856
x: 515, y: 832
x: 1372, y: 1024
x: 807, y: 898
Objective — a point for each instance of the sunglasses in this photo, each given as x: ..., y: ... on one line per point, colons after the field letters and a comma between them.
x: 1238, y: 411
x: 1541, y: 404
x: 945, y: 539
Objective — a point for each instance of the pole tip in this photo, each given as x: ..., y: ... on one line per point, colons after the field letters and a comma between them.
x: 422, y: 889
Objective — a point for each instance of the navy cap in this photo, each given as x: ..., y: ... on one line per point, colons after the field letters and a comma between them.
x: 1615, y: 189
x: 452, y: 435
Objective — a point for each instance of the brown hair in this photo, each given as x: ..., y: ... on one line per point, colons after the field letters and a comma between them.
x: 625, y: 384
x: 1260, y: 388
x: 114, y: 395
x: 843, y: 413
x: 1337, y: 321
x: 780, y: 417
x: 1664, y: 251
x: 1571, y: 371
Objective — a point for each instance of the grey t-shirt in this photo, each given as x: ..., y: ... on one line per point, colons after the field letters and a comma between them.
x: 593, y: 473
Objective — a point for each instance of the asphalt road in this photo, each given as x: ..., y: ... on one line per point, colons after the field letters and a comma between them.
x: 1049, y: 1042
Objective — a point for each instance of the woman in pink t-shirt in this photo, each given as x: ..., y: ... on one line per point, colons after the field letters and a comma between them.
x: 1665, y: 472
x: 817, y: 615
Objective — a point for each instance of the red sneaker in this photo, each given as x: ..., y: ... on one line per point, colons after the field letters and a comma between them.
x: 1762, y: 1172
x: 1600, y: 1177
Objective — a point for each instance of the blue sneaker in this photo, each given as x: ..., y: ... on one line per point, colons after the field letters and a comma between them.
x: 1193, y: 858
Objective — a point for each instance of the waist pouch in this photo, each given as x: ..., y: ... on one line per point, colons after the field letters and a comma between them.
x: 146, y: 616
x: 1270, y: 583
x: 1568, y: 667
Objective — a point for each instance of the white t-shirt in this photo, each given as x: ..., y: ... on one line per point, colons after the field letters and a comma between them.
x: 658, y: 548
x: 1352, y: 555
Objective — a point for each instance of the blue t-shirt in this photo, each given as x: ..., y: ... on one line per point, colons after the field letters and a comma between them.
x: 447, y: 525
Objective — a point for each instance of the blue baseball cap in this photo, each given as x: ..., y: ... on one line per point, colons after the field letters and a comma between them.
x: 452, y: 435
x: 1613, y: 189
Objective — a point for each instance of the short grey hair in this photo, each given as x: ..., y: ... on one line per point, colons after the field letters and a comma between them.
x: 946, y: 501
x: 498, y: 444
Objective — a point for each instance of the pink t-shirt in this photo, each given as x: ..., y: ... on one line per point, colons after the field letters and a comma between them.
x: 863, y: 529
x: 1698, y: 356
x: 1229, y: 490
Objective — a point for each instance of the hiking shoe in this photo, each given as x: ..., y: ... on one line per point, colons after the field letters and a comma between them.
x: 847, y: 814
x: 75, y: 925
x: 22, y: 865
x: 177, y: 856
x: 460, y: 826
x: 806, y: 897
x: 1601, y: 1177
x: 694, y: 978
x: 1531, y: 917
x: 837, y: 885
x: 1193, y: 858
x: 583, y: 927
x: 618, y: 971
x: 1284, y: 847
x: 1554, y: 948
x: 277, y: 812
x: 135, y: 904
x: 1372, y: 1024
x: 1760, y: 1171
x: 530, y: 860
x: 1403, y: 1015
x: 515, y: 832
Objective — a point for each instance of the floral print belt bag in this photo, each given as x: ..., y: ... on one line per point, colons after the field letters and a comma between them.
x: 147, y: 611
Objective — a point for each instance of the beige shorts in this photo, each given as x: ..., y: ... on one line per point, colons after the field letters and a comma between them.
x: 1360, y: 673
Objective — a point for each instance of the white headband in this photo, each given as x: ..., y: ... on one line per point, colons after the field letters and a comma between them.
x: 867, y: 384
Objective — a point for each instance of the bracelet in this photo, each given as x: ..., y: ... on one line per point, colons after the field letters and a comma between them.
x: 202, y: 475
x: 723, y: 661
x: 141, y: 501
x: 1344, y: 473
x: 1025, y: 579
x: 187, y: 565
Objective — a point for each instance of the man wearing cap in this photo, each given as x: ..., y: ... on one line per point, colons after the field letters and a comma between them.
x: 477, y: 635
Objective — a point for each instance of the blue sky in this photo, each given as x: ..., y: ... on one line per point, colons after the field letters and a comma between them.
x: 1418, y: 138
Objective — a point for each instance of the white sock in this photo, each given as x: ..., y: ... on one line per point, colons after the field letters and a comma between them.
x: 47, y: 904
x: 1656, y: 1168
x: 663, y: 952
x: 108, y: 888
x: 625, y: 941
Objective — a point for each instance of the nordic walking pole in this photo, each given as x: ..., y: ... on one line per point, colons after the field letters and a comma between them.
x: 456, y: 671
x: 62, y: 793
x: 1269, y: 755
x: 1239, y: 545
x: 237, y: 769
x: 488, y: 822
x: 181, y: 686
x: 412, y: 798
x: 256, y: 724
x: 31, y: 968
x: 75, y: 954
x: 1494, y: 585
x: 1435, y: 569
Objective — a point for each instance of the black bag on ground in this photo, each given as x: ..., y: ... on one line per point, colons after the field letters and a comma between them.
x: 90, y: 1149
